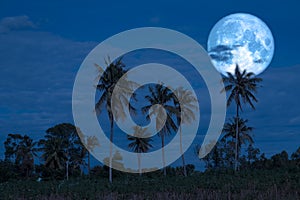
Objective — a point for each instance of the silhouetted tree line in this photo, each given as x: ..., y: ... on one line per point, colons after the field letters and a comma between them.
x: 61, y: 155
x: 222, y: 158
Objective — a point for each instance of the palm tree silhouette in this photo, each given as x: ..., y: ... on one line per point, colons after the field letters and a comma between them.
x: 53, y: 152
x: 91, y: 143
x: 139, y: 143
x: 23, y: 150
x: 243, y: 134
x: 107, y: 82
x: 213, y: 159
x: 186, y: 108
x: 25, y: 154
x: 62, y: 148
x: 242, y: 86
x: 161, y: 95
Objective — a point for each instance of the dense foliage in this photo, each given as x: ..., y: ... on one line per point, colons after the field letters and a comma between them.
x: 259, y: 177
x: 249, y: 184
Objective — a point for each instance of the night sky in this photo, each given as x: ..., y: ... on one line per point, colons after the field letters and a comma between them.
x: 43, y: 44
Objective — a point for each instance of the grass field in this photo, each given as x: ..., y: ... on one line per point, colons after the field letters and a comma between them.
x: 265, y: 184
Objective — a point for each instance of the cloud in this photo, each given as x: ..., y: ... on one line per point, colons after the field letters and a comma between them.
x: 37, y: 71
x: 295, y: 120
x: 15, y: 23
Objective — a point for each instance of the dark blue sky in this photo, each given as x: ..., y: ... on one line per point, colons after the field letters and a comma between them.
x: 43, y: 44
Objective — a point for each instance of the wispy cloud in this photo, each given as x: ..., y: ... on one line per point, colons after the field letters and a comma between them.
x: 15, y: 23
x: 37, y: 71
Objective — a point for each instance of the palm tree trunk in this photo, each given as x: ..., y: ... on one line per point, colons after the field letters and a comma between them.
x: 81, y: 170
x: 236, y: 138
x: 139, y: 163
x: 89, y: 163
x: 182, y: 154
x: 67, y: 169
x: 27, y: 172
x: 110, y: 147
x: 163, y: 153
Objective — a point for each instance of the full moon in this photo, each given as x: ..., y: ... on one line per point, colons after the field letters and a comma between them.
x: 241, y: 39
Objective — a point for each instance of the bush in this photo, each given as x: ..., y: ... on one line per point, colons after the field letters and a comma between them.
x: 7, y: 171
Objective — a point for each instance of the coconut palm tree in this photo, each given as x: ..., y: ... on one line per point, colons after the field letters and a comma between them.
x: 214, y: 159
x: 161, y: 95
x: 25, y: 155
x: 241, y: 87
x: 54, y: 154
x: 77, y: 157
x: 11, y: 146
x: 91, y: 143
x: 139, y: 143
x: 23, y: 150
x: 107, y: 82
x: 62, y: 148
x: 186, y: 115
x: 240, y: 136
